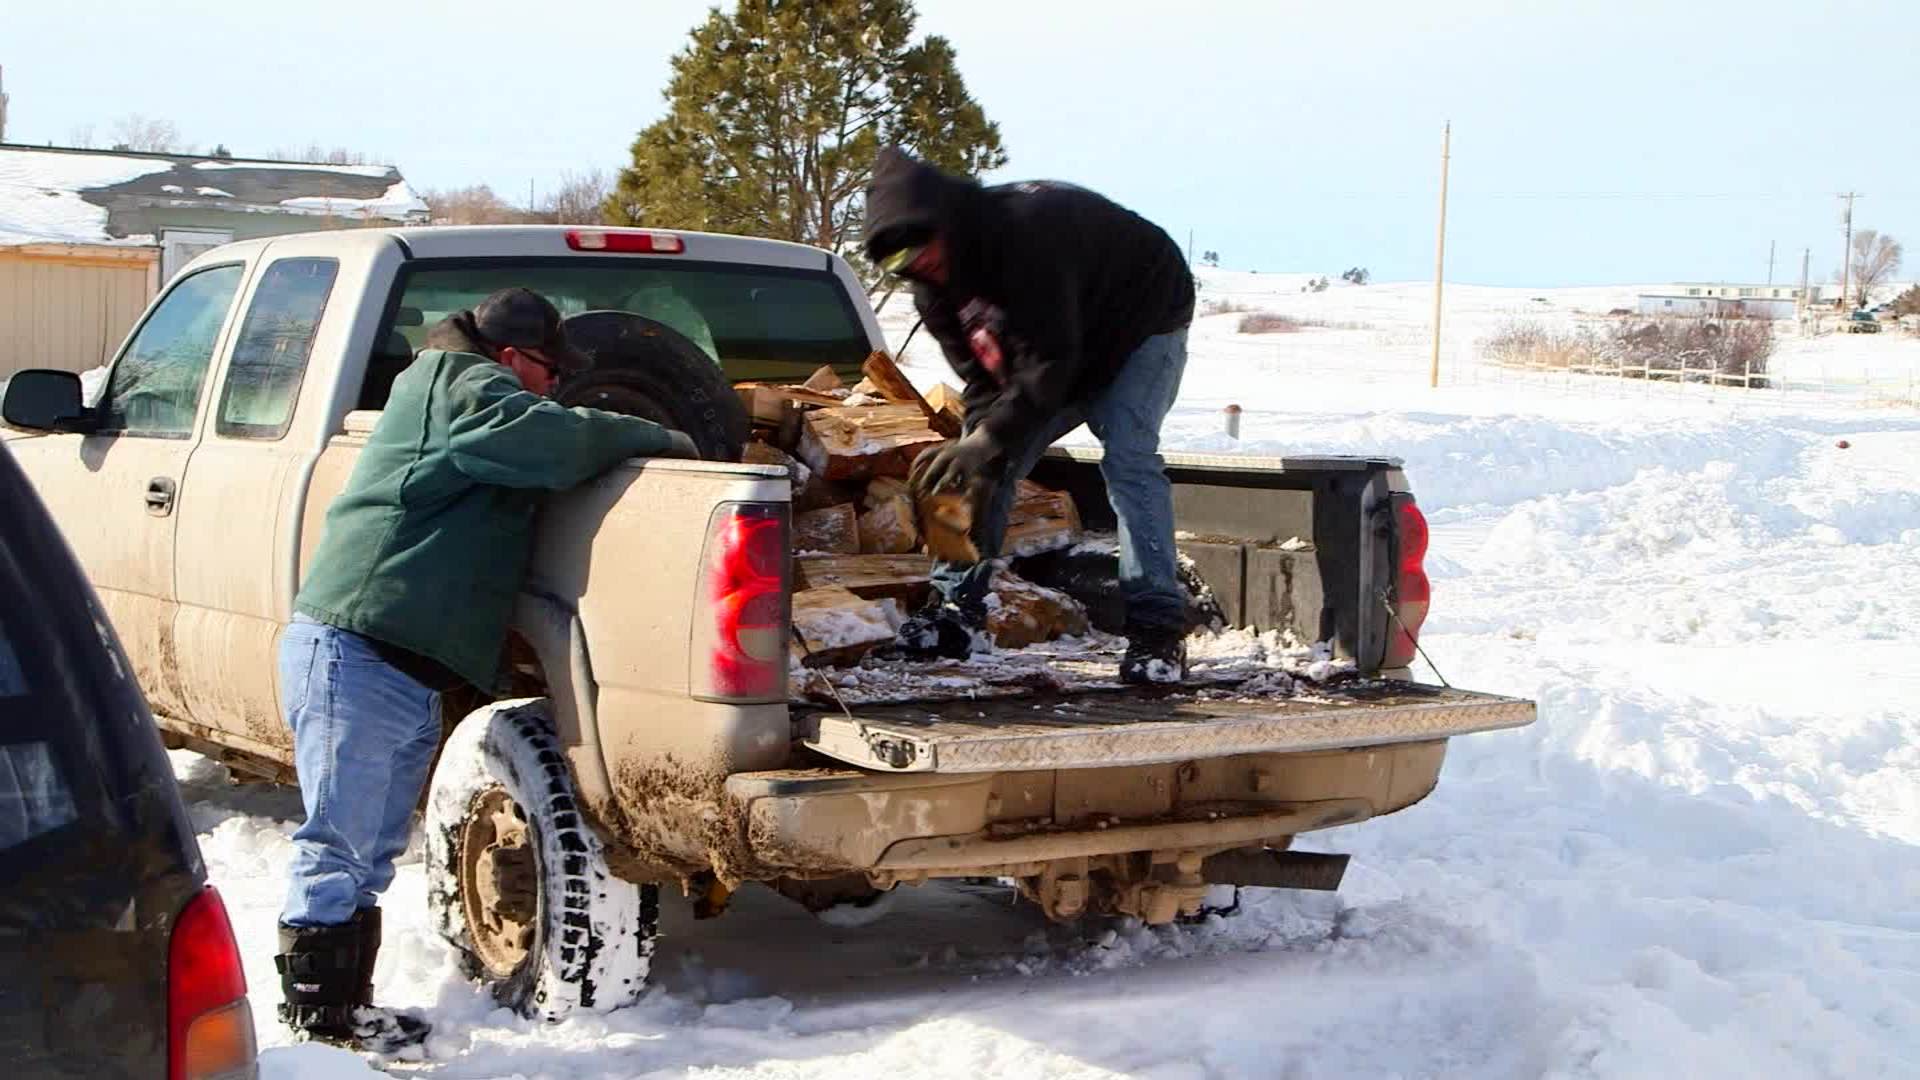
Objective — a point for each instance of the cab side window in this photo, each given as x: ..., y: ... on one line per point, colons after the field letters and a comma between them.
x: 270, y: 356
x: 155, y: 387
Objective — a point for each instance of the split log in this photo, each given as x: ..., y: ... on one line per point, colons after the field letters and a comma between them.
x: 874, y: 577
x: 857, y: 442
x: 1020, y: 613
x: 888, y: 527
x: 946, y: 521
x: 946, y: 402
x: 825, y: 380
x: 1041, y: 520
x: 840, y: 627
x: 897, y: 388
x: 834, y: 529
x: 810, y: 492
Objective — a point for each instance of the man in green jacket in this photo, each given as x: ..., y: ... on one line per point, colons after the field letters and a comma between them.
x: 408, y: 597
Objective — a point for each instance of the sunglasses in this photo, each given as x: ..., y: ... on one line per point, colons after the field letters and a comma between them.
x: 899, y: 261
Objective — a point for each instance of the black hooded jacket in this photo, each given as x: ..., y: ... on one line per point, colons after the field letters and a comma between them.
x: 1061, y: 283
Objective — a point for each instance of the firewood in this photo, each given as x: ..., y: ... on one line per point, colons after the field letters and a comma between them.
x: 875, y: 577
x: 889, y: 527
x: 896, y: 387
x: 857, y: 442
x: 824, y: 379
x: 1020, y: 613
x: 809, y: 491
x: 883, y: 489
x: 766, y: 403
x: 834, y: 530
x: 946, y: 521
x: 946, y: 402
x: 839, y: 627
x: 1041, y: 520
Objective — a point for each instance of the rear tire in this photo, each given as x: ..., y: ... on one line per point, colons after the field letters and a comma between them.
x: 518, y: 883
x: 645, y: 368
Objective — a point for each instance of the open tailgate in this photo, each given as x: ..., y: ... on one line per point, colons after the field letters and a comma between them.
x: 1134, y: 727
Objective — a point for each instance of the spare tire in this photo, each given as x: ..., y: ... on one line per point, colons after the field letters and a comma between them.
x: 645, y: 368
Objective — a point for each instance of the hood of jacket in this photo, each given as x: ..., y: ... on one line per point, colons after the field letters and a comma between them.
x: 908, y: 195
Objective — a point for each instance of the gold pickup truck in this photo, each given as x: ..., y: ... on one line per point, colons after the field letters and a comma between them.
x: 650, y: 736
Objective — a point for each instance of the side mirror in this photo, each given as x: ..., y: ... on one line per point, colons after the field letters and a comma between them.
x: 41, y: 400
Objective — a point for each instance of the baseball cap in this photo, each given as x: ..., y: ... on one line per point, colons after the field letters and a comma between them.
x: 524, y: 319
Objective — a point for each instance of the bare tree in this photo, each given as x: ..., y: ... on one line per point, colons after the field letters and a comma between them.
x: 1874, y: 259
x: 137, y: 132
x: 474, y: 205
x: 80, y: 136
x: 580, y: 199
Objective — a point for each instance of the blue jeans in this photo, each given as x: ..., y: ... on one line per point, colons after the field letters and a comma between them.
x: 363, y: 737
x: 1126, y: 418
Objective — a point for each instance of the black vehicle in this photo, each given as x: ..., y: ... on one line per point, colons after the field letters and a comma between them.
x: 116, y: 956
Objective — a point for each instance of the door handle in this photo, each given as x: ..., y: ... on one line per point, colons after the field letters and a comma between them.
x: 160, y: 492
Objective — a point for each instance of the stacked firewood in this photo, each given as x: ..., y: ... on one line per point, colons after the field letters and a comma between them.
x: 863, y: 544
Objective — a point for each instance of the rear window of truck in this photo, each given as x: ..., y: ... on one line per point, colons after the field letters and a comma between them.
x: 756, y: 322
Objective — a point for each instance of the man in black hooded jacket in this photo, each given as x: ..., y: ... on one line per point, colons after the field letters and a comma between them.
x: 1058, y: 307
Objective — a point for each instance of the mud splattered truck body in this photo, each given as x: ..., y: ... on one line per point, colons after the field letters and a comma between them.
x: 645, y: 735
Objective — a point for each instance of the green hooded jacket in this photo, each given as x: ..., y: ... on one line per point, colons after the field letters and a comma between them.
x: 429, y: 543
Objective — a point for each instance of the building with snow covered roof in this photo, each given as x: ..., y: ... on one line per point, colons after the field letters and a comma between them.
x: 88, y: 236
x: 1725, y: 300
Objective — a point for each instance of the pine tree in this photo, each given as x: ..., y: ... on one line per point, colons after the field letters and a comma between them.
x: 777, y: 110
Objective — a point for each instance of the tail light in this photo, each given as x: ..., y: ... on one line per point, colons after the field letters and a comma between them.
x: 209, y: 1024
x: 740, y: 640
x: 626, y: 241
x: 1412, y: 592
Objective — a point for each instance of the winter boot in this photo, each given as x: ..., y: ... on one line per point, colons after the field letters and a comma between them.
x: 326, y: 976
x: 938, y: 632
x: 1156, y: 655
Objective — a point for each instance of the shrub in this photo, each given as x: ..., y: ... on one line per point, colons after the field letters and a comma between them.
x: 1268, y: 322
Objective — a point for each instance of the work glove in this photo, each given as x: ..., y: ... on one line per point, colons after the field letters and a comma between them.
x: 956, y: 464
x: 679, y: 446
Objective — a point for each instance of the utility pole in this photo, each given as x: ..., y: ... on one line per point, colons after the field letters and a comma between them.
x: 1846, y: 253
x: 3, y: 105
x: 1189, y: 247
x: 1806, y: 293
x: 1440, y: 253
x: 1770, y: 245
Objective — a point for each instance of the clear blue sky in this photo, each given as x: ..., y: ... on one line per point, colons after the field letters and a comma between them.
x: 1593, y: 143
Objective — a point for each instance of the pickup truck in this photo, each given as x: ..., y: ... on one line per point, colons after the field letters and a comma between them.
x: 648, y: 736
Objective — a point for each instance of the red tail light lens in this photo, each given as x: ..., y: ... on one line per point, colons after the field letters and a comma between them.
x: 209, y: 1025
x: 740, y: 651
x: 626, y: 241
x: 1412, y: 591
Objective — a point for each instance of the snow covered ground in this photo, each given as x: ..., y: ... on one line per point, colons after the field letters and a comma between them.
x: 1704, y: 860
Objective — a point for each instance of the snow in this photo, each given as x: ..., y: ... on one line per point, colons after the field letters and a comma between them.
x: 40, y: 199
x: 1702, y: 860
x: 295, y: 166
x: 397, y: 204
x: 213, y: 193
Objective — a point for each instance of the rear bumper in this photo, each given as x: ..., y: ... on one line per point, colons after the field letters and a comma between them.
x: 912, y: 825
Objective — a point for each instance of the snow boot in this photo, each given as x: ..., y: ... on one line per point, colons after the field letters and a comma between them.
x: 326, y: 976
x: 938, y: 632
x: 1156, y: 655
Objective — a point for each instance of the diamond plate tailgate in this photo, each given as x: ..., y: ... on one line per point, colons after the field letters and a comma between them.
x: 1137, y: 728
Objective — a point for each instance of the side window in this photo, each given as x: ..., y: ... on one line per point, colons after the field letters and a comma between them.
x: 270, y: 357
x: 155, y: 388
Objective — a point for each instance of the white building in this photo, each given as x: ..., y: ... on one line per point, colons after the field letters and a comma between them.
x: 1723, y: 300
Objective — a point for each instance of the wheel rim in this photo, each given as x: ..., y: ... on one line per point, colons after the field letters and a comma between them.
x: 499, y: 882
